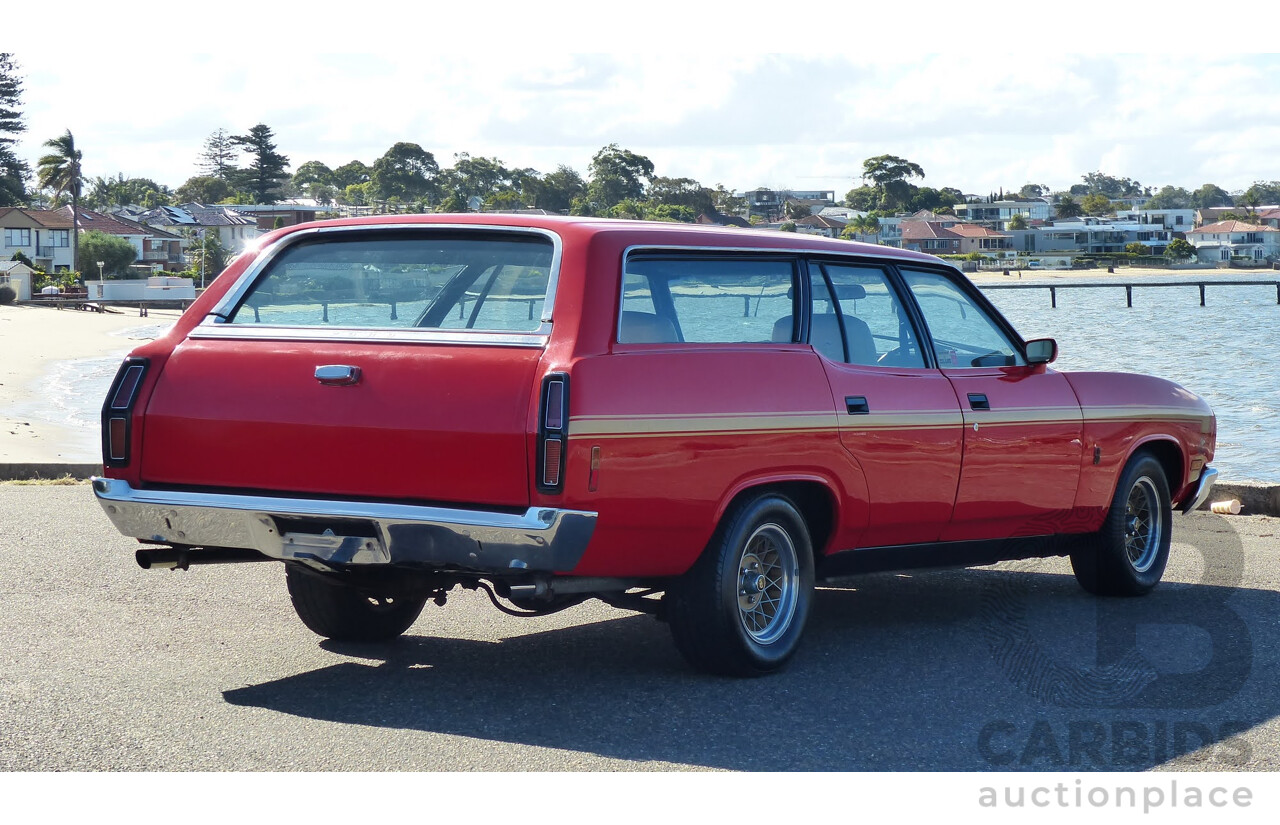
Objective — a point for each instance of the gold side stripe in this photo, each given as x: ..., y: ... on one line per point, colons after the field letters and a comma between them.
x: 618, y: 426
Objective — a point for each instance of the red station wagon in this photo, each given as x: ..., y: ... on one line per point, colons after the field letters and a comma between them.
x: 692, y: 422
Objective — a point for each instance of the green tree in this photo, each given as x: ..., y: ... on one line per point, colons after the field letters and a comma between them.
x: 864, y: 198
x: 122, y: 191
x: 1179, y: 250
x: 1032, y: 190
x: 1096, y: 183
x: 671, y: 212
x: 208, y: 255
x: 1209, y: 196
x: 1068, y: 207
x: 203, y: 190
x: 618, y: 175
x: 406, y: 171
x: 351, y: 173
x: 267, y: 173
x: 860, y: 227
x: 1136, y: 248
x: 114, y: 251
x: 1096, y: 204
x: 559, y: 188
x: 935, y: 200
x: 889, y: 176
x: 474, y: 178
x: 630, y: 209
x: 14, y: 173
x: 358, y: 194
x: 685, y: 192
x: 315, y: 179
x: 1169, y: 197
x: 727, y: 203
x: 1262, y: 192
x: 60, y: 171
x: 1018, y: 221
x: 218, y: 157
x: 788, y: 226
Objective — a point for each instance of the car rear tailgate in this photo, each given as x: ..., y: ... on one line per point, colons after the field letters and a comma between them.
x: 421, y: 421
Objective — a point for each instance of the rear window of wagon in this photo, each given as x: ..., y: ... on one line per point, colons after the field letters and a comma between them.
x: 404, y: 280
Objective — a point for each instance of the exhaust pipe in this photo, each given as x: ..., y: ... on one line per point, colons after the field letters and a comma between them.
x: 183, y: 557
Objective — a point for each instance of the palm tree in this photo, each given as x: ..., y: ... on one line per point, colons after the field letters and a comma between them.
x: 1069, y: 208
x: 60, y: 171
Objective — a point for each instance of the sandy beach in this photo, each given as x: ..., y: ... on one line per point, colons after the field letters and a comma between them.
x: 34, y: 340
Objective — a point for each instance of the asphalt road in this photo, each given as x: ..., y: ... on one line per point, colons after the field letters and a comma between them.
x: 105, y: 666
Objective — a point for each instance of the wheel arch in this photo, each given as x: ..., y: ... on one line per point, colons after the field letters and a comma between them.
x: 1165, y: 450
x: 813, y: 496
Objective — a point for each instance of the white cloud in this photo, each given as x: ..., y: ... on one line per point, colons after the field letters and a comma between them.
x: 977, y: 119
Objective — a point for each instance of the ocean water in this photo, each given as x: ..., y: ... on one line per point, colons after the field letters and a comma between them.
x: 1225, y: 351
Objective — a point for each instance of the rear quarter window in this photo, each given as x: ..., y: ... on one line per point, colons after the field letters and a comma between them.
x: 668, y: 299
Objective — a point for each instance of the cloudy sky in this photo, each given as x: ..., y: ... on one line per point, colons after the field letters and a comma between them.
x: 979, y: 105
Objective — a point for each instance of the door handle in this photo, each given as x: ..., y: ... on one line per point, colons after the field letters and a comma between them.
x: 338, y: 375
x: 978, y: 401
x: 856, y: 405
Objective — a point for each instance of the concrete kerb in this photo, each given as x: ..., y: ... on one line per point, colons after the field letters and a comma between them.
x: 1255, y: 499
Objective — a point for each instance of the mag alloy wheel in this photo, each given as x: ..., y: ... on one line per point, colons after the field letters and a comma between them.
x: 742, y: 607
x: 768, y: 579
x: 1142, y: 525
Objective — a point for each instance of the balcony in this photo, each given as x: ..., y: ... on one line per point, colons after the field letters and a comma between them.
x: 47, y: 251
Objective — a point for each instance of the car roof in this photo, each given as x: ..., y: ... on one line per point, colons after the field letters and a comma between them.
x: 640, y: 233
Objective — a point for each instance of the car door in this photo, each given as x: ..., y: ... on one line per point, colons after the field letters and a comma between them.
x: 897, y: 416
x: 1023, y: 427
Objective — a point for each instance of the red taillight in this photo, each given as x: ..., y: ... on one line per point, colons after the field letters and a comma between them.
x: 117, y: 412
x: 553, y: 430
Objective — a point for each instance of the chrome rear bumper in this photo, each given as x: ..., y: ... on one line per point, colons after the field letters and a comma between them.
x: 1192, y: 502
x: 541, y: 539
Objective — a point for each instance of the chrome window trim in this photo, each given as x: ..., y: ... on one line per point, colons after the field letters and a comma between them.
x: 377, y: 335
x: 216, y: 325
x: 803, y: 252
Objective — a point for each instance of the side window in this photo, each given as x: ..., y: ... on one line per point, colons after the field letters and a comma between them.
x: 707, y: 300
x: 875, y: 326
x: 964, y: 335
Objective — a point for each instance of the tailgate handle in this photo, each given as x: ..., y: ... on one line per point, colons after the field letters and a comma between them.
x: 338, y: 375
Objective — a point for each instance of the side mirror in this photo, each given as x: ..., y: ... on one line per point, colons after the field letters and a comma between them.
x: 1042, y: 351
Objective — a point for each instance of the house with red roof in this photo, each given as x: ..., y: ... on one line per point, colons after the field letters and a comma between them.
x: 930, y: 237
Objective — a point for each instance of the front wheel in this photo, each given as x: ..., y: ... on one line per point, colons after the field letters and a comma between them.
x: 343, y: 612
x: 741, y: 609
x: 1128, y: 555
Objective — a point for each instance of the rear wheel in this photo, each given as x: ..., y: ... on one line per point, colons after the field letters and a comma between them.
x: 343, y: 612
x: 1128, y: 555
x: 741, y: 609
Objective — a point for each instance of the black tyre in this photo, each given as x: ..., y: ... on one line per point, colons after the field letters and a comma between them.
x: 1128, y: 555
x: 741, y: 609
x: 340, y: 611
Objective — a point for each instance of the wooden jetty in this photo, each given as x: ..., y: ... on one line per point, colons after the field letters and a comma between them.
x: 1128, y: 287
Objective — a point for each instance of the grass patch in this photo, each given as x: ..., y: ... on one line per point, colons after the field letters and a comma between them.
x: 62, y: 481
